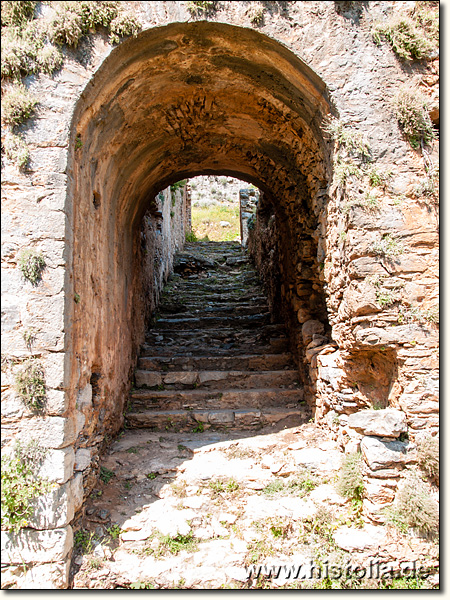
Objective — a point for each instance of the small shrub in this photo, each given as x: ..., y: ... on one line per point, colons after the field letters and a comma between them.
x: 21, y: 484
x: 274, y: 487
x: 428, y: 457
x: 123, y: 25
x: 17, y: 105
x: 346, y: 137
x: 386, y: 298
x: 29, y: 383
x: 106, y: 474
x: 84, y: 540
x: 142, y: 585
x: 346, y: 169
x: 407, y: 41
x: 49, y: 59
x: 377, y: 178
x: 16, y: 150
x: 303, y: 483
x: 201, y: 7
x: 174, y: 545
x: 29, y: 336
x: 232, y: 485
x: 75, y: 19
x: 191, y: 237
x: 66, y: 27
x: 31, y: 264
x: 199, y: 427
x: 257, y: 551
x: 411, y: 110
x: 17, y: 13
x: 388, y: 246
x: 429, y: 186
x: 350, y: 483
x: 178, y: 185
x: 415, y: 508
x: 114, y: 531
x: 256, y: 16
x: 179, y: 489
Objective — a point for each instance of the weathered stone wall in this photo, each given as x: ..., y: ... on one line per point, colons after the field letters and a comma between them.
x: 115, y: 126
x: 248, y: 201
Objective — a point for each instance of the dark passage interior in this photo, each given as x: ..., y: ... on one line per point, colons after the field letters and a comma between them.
x: 173, y: 103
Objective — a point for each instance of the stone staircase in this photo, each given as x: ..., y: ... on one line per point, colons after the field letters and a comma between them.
x: 213, y: 358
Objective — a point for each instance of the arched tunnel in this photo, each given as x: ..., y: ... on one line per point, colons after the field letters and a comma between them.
x: 175, y: 102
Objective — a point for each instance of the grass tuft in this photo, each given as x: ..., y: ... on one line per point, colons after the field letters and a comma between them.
x: 16, y: 150
x: 17, y: 13
x: 405, y: 38
x: 31, y: 264
x: 410, y: 107
x: 350, y: 483
x: 17, y: 105
x: 29, y: 383
x: 428, y: 457
x: 415, y: 508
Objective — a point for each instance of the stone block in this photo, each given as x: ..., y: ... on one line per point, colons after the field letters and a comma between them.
x: 370, y: 537
x: 402, y: 334
x: 54, y: 509
x: 148, y: 378
x: 185, y: 378
x: 58, y: 465
x: 379, y: 492
x: 382, y: 454
x: 221, y: 417
x: 77, y: 491
x: 311, y: 327
x: 389, y: 218
x: 84, y: 397
x: 82, y: 459
x: 47, y: 576
x: 50, y: 576
x: 48, y: 159
x: 51, y: 432
x: 32, y: 546
x: 54, y: 369
x: 80, y: 420
x: 57, y: 402
x: 384, y: 423
x: 317, y: 460
x: 404, y: 264
x: 367, y: 265
x: 205, y: 376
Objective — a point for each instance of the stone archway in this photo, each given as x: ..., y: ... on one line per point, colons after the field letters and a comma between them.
x: 178, y: 101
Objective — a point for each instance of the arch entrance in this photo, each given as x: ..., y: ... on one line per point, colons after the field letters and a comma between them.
x: 177, y: 102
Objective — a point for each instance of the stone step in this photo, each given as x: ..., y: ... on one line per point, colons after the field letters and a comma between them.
x: 210, y: 311
x: 206, y: 322
x: 176, y: 380
x: 214, y: 398
x: 206, y: 341
x: 180, y: 308
x: 214, y: 347
x: 244, y: 418
x: 191, y: 286
x: 249, y: 362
